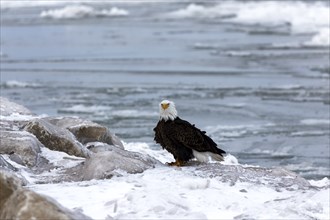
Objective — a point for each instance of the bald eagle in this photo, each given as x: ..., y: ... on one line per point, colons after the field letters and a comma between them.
x: 183, y: 139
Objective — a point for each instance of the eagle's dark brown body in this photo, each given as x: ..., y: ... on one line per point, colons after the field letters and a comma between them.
x: 180, y: 138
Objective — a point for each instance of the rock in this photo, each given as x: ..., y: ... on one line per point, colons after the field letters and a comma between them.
x: 22, y: 144
x: 56, y: 138
x: 105, y: 164
x: 277, y: 177
x: 19, y: 203
x: 86, y: 131
x: 9, y: 108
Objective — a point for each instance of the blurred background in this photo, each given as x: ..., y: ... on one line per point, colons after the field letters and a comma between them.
x: 253, y: 74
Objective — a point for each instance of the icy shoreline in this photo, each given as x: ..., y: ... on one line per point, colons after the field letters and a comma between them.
x: 142, y: 187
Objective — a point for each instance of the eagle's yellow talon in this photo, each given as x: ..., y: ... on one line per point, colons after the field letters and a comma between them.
x: 177, y: 163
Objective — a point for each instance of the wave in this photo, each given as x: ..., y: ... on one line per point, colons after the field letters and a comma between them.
x: 82, y: 11
x: 274, y: 14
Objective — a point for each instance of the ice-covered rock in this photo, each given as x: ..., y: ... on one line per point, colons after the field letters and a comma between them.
x: 97, y: 147
x: 56, y: 138
x: 8, y: 108
x: 277, y: 177
x: 112, y: 161
x: 5, y: 165
x: 22, y: 146
x: 13, y: 116
x: 17, y: 202
x: 86, y: 131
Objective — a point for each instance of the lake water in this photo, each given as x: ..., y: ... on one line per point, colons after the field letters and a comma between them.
x: 253, y: 74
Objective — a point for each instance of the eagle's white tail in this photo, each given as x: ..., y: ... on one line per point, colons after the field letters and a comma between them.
x: 207, y: 156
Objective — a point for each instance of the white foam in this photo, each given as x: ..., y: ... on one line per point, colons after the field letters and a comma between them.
x: 82, y: 11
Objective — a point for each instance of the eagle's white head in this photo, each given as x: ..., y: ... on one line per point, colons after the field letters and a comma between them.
x: 167, y: 110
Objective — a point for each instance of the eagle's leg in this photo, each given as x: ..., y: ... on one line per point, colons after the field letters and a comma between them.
x: 177, y: 163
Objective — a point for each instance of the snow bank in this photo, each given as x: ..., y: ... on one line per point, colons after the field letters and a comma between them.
x: 188, y: 193
x: 177, y: 193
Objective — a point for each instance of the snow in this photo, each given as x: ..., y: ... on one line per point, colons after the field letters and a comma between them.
x: 18, y: 117
x: 181, y: 193
x: 167, y: 193
x: 60, y: 159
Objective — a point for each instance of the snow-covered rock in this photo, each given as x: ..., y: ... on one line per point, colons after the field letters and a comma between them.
x: 56, y: 138
x: 8, y: 108
x: 113, y: 161
x: 86, y: 131
x: 17, y: 202
x: 22, y: 146
x: 6, y: 166
x: 277, y: 177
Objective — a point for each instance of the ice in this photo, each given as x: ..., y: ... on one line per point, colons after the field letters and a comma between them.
x: 315, y: 19
x: 85, y: 109
x: 20, y: 84
x: 320, y: 39
x: 133, y: 114
x: 17, y: 117
x: 315, y: 121
x: 42, y: 3
x: 82, y: 11
x: 325, y: 182
x: 34, y: 3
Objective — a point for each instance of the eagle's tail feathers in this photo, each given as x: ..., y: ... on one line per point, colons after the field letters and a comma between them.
x: 206, y: 156
x: 216, y: 157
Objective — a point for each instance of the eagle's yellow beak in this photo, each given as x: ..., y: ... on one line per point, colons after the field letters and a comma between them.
x: 165, y: 106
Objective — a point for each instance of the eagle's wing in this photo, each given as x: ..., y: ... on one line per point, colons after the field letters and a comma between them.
x: 158, y: 137
x: 188, y: 135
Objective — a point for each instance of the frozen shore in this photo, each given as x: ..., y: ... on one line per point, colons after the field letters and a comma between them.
x: 82, y: 166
